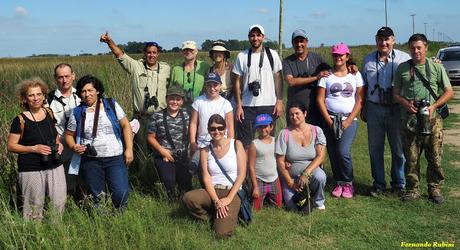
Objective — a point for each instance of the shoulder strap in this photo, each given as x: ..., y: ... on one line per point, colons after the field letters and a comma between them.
x: 286, y: 135
x: 270, y: 56
x: 51, y: 96
x: 22, y: 123
x: 111, y: 102
x: 425, y: 82
x: 313, y: 132
x: 50, y: 113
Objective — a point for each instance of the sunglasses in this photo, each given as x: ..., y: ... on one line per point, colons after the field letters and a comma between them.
x: 220, y: 128
x: 148, y: 44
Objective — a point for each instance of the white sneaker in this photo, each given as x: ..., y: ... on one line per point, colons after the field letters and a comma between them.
x: 322, y: 207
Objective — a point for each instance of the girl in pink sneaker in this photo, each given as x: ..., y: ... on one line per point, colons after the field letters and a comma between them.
x: 339, y: 101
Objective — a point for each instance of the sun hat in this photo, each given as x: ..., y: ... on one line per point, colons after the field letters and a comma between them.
x: 340, y: 49
x: 212, y: 77
x: 299, y: 33
x: 257, y: 26
x: 219, y: 46
x: 263, y: 119
x: 189, y: 45
x: 385, y: 31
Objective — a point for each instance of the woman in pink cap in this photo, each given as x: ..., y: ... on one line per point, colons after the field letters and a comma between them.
x: 339, y: 101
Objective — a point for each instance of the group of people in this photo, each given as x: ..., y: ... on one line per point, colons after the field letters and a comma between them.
x: 201, y: 119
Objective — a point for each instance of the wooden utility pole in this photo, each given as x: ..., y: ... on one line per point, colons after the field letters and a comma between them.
x: 280, y: 32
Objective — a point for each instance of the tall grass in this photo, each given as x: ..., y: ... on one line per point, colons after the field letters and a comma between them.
x: 151, y: 222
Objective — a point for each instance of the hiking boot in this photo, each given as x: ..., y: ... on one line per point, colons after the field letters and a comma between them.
x: 436, y: 197
x: 337, y: 192
x: 348, y: 190
x: 376, y: 192
x: 411, y: 195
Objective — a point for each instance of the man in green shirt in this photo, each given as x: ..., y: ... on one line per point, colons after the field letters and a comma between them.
x: 149, y: 81
x: 409, y: 90
x: 190, y: 74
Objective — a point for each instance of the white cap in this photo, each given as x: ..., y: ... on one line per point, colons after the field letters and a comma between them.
x: 257, y: 26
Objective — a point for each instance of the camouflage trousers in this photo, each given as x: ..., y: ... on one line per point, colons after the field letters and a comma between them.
x: 413, y: 145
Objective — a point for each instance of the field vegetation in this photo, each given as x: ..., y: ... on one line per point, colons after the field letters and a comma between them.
x: 151, y: 222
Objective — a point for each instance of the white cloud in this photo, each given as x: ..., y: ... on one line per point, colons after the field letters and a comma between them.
x: 21, y: 11
x: 262, y: 10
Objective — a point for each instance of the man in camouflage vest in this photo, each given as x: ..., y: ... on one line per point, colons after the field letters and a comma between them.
x: 421, y: 123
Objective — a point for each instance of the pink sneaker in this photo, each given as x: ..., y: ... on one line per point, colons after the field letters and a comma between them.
x: 347, y: 191
x: 337, y: 192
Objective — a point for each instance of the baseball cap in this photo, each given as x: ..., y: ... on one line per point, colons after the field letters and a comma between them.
x: 175, y: 89
x: 385, y: 31
x: 189, y: 45
x: 257, y: 26
x: 263, y: 119
x: 299, y: 33
x: 340, y: 49
x: 212, y: 77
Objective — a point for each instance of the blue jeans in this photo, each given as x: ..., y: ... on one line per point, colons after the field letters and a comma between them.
x: 97, y: 171
x: 381, y: 121
x: 340, y: 152
x: 317, y: 184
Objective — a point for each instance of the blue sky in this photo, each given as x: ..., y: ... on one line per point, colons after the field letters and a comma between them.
x: 73, y: 26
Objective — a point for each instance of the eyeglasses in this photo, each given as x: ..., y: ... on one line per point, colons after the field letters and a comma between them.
x: 220, y: 128
x: 148, y: 44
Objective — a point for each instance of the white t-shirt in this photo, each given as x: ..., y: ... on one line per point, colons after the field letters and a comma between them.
x: 341, y: 91
x: 205, y: 109
x: 267, y: 95
x: 106, y: 142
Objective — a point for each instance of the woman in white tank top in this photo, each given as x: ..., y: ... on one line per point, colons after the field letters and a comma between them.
x: 219, y: 199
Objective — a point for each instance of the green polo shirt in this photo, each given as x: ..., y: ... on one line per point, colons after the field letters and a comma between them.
x: 189, y: 80
x: 411, y: 87
x: 156, y: 79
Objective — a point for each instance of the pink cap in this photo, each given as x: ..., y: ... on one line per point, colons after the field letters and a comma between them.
x: 340, y: 49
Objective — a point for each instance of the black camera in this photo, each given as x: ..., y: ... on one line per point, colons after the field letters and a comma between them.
x: 179, y: 155
x: 254, y: 87
x: 423, y: 117
x: 90, y: 150
x: 54, y: 156
x: 302, y: 200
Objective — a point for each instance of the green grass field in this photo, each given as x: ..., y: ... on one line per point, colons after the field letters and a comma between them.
x: 154, y: 223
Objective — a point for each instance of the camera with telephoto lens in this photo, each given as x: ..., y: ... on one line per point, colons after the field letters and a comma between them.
x: 423, y: 117
x: 54, y: 156
x: 254, y: 87
x: 90, y: 150
x: 150, y: 101
x: 420, y: 122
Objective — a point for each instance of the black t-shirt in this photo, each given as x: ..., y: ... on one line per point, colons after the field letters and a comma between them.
x: 31, y: 136
x: 305, y: 94
x: 296, y: 68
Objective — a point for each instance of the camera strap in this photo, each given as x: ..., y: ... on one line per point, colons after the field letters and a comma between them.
x: 261, y: 59
x: 168, y: 135
x: 426, y: 82
x: 377, y: 60
x: 95, y: 122
x: 48, y: 116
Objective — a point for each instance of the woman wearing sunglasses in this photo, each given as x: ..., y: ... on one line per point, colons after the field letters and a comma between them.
x: 339, y: 101
x: 219, y: 199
